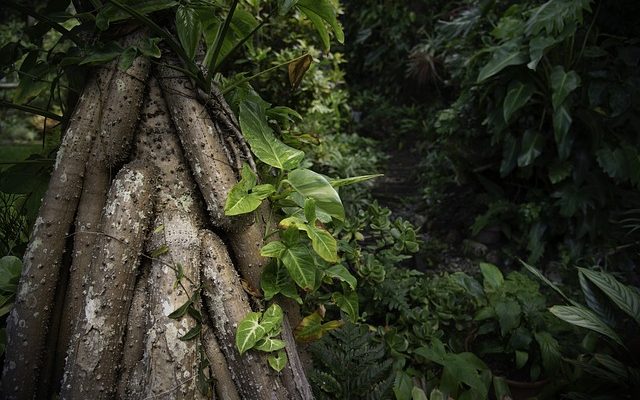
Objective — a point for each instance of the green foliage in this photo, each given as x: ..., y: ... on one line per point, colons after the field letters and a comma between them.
x: 350, y: 364
x: 10, y: 269
x: 604, y: 369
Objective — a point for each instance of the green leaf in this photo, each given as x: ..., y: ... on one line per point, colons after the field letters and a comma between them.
x: 582, y: 317
x: 310, y: 211
x: 148, y: 47
x: 518, y: 95
x: 550, y: 352
x: 263, y: 191
x: 418, y: 394
x: 240, y: 201
x: 562, y: 83
x: 561, y: 124
x: 402, y: 386
x: 313, y: 185
x: 530, y: 147
x: 249, y: 332
x: 102, y: 55
x: 341, y: 273
x: 348, y: 302
x: 263, y: 142
x: 299, y: 262
x: 336, y: 183
x: 181, y: 311
x: 279, y: 361
x: 544, y: 279
x: 110, y: 13
x: 493, y: 278
x: 276, y: 279
x: 626, y: 298
x: 323, y: 243
x: 10, y: 269
x: 126, y: 59
x: 508, y: 312
x: 272, y: 318
x: 192, y: 334
x: 269, y: 345
x: 521, y: 358
x: 189, y: 29
x: 273, y: 249
x: 537, y: 47
x: 503, y: 56
x: 319, y: 12
x: 311, y: 328
x: 285, y: 5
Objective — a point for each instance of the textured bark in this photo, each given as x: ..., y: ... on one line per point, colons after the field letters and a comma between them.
x: 171, y: 364
x: 223, y: 382
x: 227, y: 304
x: 137, y: 325
x: 203, y: 146
x: 121, y: 109
x: 28, y: 323
x: 96, y: 348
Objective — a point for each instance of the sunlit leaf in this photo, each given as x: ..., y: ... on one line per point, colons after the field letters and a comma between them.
x: 313, y: 185
x: 249, y: 332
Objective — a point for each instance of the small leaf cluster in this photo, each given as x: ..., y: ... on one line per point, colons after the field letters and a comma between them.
x: 258, y: 331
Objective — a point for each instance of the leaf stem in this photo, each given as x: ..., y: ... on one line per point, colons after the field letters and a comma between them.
x: 249, y: 78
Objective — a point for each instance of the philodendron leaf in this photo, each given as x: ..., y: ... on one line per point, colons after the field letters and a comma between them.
x: 341, y: 273
x: 272, y: 318
x: 518, y: 95
x: 348, y: 302
x: 580, y: 316
x: 297, y: 69
x: 626, y: 298
x: 273, y: 249
x: 241, y: 198
x: 269, y: 345
x: 562, y: 83
x: 189, y: 29
x: 263, y: 142
x: 278, y: 362
x: 299, y: 262
x: 322, y: 242
x: 321, y: 12
x: 276, y: 279
x: 249, y: 332
x: 504, y: 56
x: 313, y: 185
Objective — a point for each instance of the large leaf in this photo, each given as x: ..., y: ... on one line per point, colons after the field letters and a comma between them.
x: 530, y: 147
x: 313, y: 185
x: 189, y: 29
x: 321, y: 240
x: 561, y: 124
x: 502, y: 57
x: 299, y: 262
x: 249, y: 332
x: 562, y: 83
x: 321, y: 12
x: 580, y: 316
x: 263, y: 142
x: 517, y: 96
x: 110, y: 13
x: 626, y: 298
x: 493, y: 278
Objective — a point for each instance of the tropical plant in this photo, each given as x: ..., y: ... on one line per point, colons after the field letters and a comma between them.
x: 608, y: 368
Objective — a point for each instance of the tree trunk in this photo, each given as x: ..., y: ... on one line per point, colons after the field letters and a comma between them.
x: 150, y: 236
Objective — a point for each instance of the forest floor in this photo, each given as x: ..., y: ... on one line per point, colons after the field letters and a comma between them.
x: 443, y: 228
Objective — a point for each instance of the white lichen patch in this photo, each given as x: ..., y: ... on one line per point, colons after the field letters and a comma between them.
x: 120, y: 85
